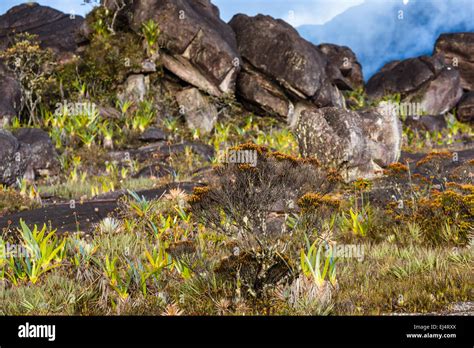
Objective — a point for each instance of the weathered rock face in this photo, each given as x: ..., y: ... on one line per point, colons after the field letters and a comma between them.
x: 136, y: 88
x: 357, y: 144
x: 198, y: 111
x: 443, y: 93
x: 275, y: 48
x: 56, y: 30
x: 465, y: 112
x: 458, y: 52
x: 281, y: 68
x: 26, y: 153
x: 384, y: 133
x: 10, y: 98
x: 153, y: 134
x: 426, y: 80
x: 427, y: 123
x: 260, y: 94
x: 345, y: 59
x: 12, y: 158
x: 331, y: 135
x: 399, y: 77
x: 328, y: 95
x: 197, y: 45
x: 43, y: 157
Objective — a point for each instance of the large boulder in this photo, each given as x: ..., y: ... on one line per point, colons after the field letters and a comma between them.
x: 43, y: 157
x: 135, y: 88
x: 260, y: 94
x: 55, y: 30
x: 281, y: 68
x: 441, y: 94
x: 399, y: 77
x: 357, y: 144
x: 426, y: 123
x: 425, y: 80
x: 346, y: 61
x: 197, y: 45
x: 276, y: 49
x: 198, y: 111
x: 27, y: 153
x: 458, y: 52
x: 465, y: 110
x: 383, y: 130
x: 14, y: 158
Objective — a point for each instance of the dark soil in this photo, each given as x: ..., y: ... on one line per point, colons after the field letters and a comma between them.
x: 64, y: 218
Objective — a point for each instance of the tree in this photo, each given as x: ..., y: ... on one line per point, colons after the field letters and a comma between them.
x: 31, y: 66
x: 116, y: 6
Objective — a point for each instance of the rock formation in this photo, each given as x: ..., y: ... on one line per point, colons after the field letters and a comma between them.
x: 55, y: 30
x: 28, y: 152
x: 197, y: 46
x: 280, y: 68
x: 197, y: 110
x: 424, y: 80
x: 458, y: 52
x: 465, y: 111
x: 346, y: 61
x: 355, y: 143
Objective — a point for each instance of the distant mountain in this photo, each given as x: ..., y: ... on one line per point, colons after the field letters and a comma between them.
x: 375, y: 33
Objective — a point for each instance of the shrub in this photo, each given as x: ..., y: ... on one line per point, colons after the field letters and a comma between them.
x: 31, y: 66
x: 444, y: 217
x: 434, y: 165
x: 447, y: 217
x: 243, y: 195
x: 11, y: 201
x: 107, y: 61
x: 238, y: 205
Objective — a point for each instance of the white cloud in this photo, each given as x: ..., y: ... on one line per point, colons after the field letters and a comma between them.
x: 296, y: 12
x: 67, y: 6
x: 318, y: 11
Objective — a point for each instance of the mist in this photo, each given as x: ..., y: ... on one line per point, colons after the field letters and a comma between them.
x: 383, y: 31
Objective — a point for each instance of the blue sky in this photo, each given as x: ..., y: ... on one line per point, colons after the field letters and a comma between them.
x: 67, y: 6
x: 296, y: 12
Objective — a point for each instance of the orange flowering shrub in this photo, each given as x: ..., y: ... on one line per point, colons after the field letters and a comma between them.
x: 313, y: 201
x: 362, y: 184
x: 198, y: 193
x: 435, y: 156
x: 396, y: 169
x: 444, y: 217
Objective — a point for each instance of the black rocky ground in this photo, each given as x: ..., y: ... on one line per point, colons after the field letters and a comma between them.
x: 79, y: 216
